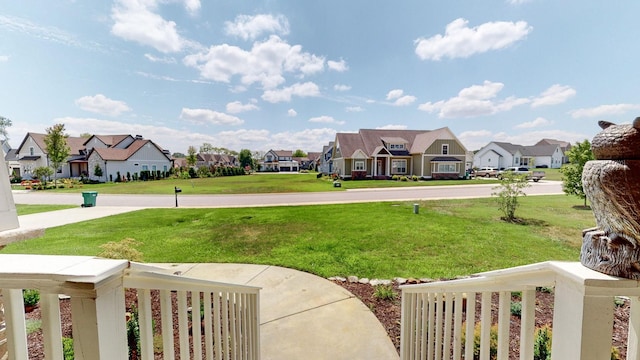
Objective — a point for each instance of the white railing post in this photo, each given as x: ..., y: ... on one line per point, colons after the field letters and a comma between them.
x: 51, y: 327
x: 527, y: 323
x: 99, y: 328
x: 582, y: 324
x: 14, y: 319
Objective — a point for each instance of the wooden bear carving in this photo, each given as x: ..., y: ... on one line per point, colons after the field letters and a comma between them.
x: 612, y: 185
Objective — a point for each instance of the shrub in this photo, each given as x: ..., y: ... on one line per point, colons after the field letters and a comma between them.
x: 516, y: 308
x: 511, y: 187
x: 414, y: 178
x: 30, y: 297
x: 118, y: 177
x: 542, y: 343
x: 404, y: 178
x: 97, y: 170
x: 493, y: 341
x: 124, y: 249
x: 67, y: 348
x: 384, y: 292
x: 133, y: 334
x: 203, y: 171
x: 395, y: 177
x: 32, y: 325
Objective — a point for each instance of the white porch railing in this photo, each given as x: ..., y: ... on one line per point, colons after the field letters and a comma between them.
x: 222, y: 320
x: 433, y: 323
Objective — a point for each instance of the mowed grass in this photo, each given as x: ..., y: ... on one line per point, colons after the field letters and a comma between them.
x: 23, y: 209
x: 251, y: 184
x: 447, y: 238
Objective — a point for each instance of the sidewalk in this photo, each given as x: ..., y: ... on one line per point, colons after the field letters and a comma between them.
x: 302, y: 316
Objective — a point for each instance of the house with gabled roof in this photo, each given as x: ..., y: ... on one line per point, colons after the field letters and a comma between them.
x: 32, y: 154
x: 139, y: 156
x: 500, y: 155
x: 380, y: 154
x: 279, y: 160
x: 564, y: 146
x: 206, y: 159
x: 325, y: 162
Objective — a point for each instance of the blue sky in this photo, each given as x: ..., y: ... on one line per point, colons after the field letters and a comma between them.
x: 290, y: 74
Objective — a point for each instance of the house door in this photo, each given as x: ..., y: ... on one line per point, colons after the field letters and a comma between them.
x: 380, y: 167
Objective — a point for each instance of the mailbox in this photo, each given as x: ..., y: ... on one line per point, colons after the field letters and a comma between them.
x: 177, y: 190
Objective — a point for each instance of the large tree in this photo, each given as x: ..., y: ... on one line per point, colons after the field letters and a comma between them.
x: 4, y: 124
x: 245, y: 158
x: 57, y: 149
x: 299, y: 153
x: 192, y: 159
x: 578, y: 155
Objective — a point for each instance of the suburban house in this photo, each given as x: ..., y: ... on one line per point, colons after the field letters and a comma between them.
x: 380, y: 154
x: 32, y: 154
x: 125, y: 155
x: 325, y: 162
x: 564, y: 146
x: 503, y: 154
x: 310, y: 162
x: 11, y: 158
x: 279, y: 160
x: 204, y: 159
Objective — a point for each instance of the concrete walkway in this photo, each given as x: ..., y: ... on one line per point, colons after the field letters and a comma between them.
x: 302, y: 316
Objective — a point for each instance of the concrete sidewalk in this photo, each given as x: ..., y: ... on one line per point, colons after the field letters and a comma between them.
x: 302, y: 316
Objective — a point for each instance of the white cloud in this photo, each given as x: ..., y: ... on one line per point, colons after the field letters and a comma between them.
x: 250, y: 27
x: 538, y: 122
x: 354, y: 109
x: 46, y: 33
x: 138, y: 21
x: 266, y: 63
x: 404, y: 100
x: 192, y: 6
x: 394, y: 94
x: 476, y: 100
x: 340, y: 87
x: 604, y: 110
x: 393, y: 127
x: 300, y: 89
x: 307, y: 139
x: 4, y: 58
x: 476, y: 139
x: 164, y: 59
x: 206, y: 116
x: 339, y: 66
x: 556, y: 94
x: 238, y: 107
x: 292, y: 113
x: 461, y: 41
x: 102, y: 105
x: 326, y: 119
x: 517, y: 2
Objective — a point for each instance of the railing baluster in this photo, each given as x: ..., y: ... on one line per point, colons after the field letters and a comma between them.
x: 448, y: 309
x: 145, y: 320
x: 217, y: 325
x: 438, y: 325
x: 413, y: 329
x: 470, y: 325
x: 225, y: 324
x: 183, y: 324
x: 431, y: 328
x: 457, y: 325
x: 14, y: 320
x: 208, y: 324
x: 528, y: 323
x: 633, y: 338
x: 485, y: 326
x: 166, y: 317
x: 504, y: 324
x: 51, y: 328
x: 196, y: 325
x: 423, y: 323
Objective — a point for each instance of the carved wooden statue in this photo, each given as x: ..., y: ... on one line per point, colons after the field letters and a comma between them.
x: 612, y: 185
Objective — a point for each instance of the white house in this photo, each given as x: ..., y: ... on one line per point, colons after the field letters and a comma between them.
x: 503, y: 154
x: 138, y: 156
x: 279, y: 160
x: 32, y: 154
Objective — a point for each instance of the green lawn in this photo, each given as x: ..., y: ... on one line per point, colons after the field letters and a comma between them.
x: 383, y: 240
x: 251, y: 184
x: 32, y: 209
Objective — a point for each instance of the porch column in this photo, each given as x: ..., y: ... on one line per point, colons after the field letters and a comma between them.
x: 8, y: 214
x: 99, y: 327
x: 582, y: 324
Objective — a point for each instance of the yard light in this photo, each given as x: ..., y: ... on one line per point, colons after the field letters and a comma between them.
x: 176, y: 191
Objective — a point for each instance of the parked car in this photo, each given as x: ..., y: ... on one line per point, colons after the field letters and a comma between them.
x: 519, y: 170
x: 486, y: 172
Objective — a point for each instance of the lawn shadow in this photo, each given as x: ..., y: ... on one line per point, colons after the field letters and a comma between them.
x: 527, y: 222
x: 581, y: 207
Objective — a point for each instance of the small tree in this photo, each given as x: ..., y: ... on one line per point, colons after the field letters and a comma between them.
x: 578, y: 156
x: 57, y: 148
x: 192, y: 159
x: 43, y: 173
x: 245, y: 158
x: 97, y: 171
x: 4, y: 124
x: 511, y: 187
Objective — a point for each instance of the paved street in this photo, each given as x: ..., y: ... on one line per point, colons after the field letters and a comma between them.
x: 248, y: 200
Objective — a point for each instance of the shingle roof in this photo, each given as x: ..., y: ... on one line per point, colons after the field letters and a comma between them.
x: 75, y: 143
x: 116, y: 154
x: 109, y: 140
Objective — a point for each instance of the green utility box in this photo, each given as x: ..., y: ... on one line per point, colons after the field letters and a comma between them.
x: 89, y: 198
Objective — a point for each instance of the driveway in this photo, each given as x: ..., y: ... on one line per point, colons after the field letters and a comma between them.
x: 285, y: 199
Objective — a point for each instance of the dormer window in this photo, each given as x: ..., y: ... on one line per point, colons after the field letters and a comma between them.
x: 396, y: 146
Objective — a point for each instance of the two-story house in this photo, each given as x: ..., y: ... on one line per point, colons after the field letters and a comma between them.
x: 279, y: 160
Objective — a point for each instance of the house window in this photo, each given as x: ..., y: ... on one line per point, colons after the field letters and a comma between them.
x: 447, y: 168
x: 31, y: 151
x: 164, y: 168
x: 445, y: 149
x: 399, y: 166
x: 517, y: 161
x: 396, y: 146
x: 359, y: 165
x: 154, y: 168
x: 145, y: 167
